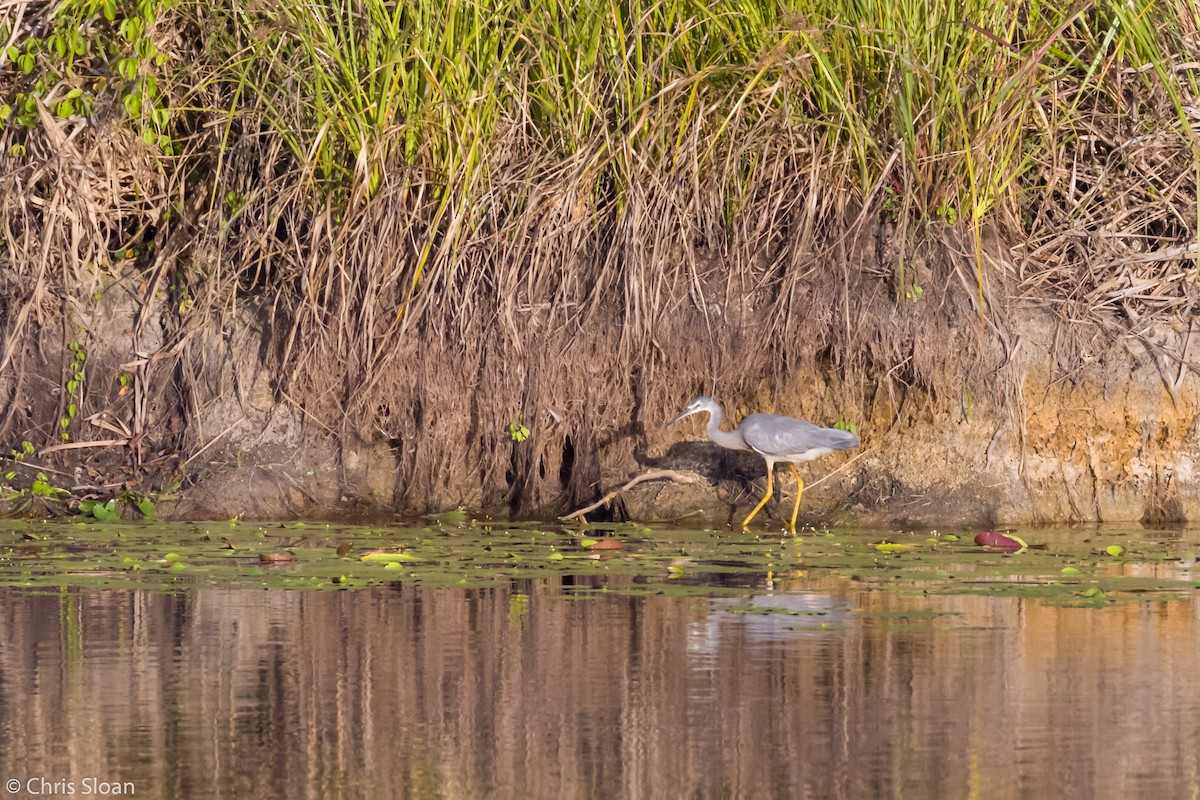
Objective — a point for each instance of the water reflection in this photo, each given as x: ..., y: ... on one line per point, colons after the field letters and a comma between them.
x: 537, y: 690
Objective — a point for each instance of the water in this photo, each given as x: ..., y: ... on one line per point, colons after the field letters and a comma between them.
x: 797, y: 683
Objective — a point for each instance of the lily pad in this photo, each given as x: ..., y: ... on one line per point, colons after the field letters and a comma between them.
x: 893, y: 547
x: 1001, y: 542
x: 380, y: 557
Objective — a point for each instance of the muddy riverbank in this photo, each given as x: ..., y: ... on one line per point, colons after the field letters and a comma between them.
x: 1023, y: 432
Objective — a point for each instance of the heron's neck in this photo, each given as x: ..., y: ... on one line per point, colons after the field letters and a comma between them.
x: 731, y: 439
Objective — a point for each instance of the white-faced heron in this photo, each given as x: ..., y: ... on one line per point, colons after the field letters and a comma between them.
x: 775, y: 438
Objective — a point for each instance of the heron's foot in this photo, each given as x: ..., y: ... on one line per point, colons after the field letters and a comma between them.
x: 746, y: 522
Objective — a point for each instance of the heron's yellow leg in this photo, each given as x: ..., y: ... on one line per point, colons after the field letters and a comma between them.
x: 799, y: 491
x: 763, y: 502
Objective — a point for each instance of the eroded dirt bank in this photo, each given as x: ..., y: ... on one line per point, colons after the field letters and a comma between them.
x: 1033, y: 425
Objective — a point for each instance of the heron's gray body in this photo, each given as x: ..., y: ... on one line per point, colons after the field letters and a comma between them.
x: 774, y: 437
x: 792, y: 440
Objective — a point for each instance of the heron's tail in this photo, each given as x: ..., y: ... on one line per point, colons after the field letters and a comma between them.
x: 843, y: 440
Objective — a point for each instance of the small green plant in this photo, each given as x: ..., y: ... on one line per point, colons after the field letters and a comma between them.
x: 914, y: 293
x: 74, y: 384
x: 948, y: 212
x: 234, y: 202
x: 891, y: 201
x: 18, y: 456
x: 41, y: 487
x: 146, y: 506
x: 846, y: 425
x: 109, y: 510
x: 100, y: 511
x: 517, y: 430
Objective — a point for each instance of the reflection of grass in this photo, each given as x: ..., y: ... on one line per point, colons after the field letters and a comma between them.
x: 462, y: 553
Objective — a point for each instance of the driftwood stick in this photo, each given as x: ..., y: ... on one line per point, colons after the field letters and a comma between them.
x: 650, y: 475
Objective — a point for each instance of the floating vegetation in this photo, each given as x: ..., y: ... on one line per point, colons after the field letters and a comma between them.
x: 626, y: 559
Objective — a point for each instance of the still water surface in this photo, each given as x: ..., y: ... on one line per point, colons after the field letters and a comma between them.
x: 811, y: 685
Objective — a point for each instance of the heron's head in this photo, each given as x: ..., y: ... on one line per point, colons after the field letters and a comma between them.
x: 694, y: 407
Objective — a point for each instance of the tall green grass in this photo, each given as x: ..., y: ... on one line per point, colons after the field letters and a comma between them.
x: 939, y: 109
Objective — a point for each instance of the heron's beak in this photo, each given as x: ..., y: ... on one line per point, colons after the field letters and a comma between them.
x: 679, y: 416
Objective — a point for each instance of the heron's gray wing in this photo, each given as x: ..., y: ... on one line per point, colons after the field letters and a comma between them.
x: 788, y: 437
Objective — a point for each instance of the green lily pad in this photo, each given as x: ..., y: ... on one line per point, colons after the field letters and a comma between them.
x: 384, y: 558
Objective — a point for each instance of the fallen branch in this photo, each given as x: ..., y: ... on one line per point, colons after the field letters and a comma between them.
x: 652, y: 475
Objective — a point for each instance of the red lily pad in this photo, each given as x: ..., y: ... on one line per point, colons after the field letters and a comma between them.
x: 1000, y: 542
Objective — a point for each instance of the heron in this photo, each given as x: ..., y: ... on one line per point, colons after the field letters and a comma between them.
x: 774, y: 437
